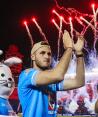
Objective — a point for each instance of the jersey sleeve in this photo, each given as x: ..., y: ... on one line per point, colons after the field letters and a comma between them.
x: 28, y: 78
x: 60, y: 86
x: 33, y: 78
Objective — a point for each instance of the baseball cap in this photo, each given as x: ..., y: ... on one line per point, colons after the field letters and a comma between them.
x: 38, y: 45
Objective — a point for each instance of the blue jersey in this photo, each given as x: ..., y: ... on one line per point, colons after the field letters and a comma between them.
x: 34, y: 99
x: 5, y: 107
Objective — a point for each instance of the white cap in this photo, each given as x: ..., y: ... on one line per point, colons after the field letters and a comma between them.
x: 39, y: 45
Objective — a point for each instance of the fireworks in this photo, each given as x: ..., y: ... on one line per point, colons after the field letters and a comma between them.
x: 39, y: 28
x: 28, y: 31
x: 83, y: 19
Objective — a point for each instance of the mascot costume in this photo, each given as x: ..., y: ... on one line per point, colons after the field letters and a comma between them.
x: 7, y: 84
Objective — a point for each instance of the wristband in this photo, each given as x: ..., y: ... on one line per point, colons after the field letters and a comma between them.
x: 79, y: 55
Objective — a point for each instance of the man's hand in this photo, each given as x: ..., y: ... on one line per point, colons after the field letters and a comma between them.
x: 79, y: 44
x: 67, y: 41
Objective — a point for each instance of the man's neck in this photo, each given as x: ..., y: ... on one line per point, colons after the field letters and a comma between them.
x: 35, y: 67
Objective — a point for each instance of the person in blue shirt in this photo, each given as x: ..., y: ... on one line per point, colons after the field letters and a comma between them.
x: 96, y: 104
x: 36, y: 83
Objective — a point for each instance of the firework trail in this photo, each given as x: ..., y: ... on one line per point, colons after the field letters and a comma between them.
x: 40, y: 30
x: 29, y: 34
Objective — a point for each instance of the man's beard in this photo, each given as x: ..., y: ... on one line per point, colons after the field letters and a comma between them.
x: 43, y: 68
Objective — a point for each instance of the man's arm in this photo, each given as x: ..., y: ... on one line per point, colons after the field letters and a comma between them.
x: 79, y: 79
x: 57, y: 74
x: 96, y: 107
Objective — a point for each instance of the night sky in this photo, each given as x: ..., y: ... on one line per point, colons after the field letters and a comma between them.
x: 13, y: 12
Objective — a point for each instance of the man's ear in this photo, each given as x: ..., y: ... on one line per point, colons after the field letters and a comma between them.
x: 33, y: 57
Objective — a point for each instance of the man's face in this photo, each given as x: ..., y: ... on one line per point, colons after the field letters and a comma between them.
x: 43, y: 57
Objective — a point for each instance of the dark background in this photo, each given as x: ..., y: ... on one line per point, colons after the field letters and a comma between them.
x: 14, y: 12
